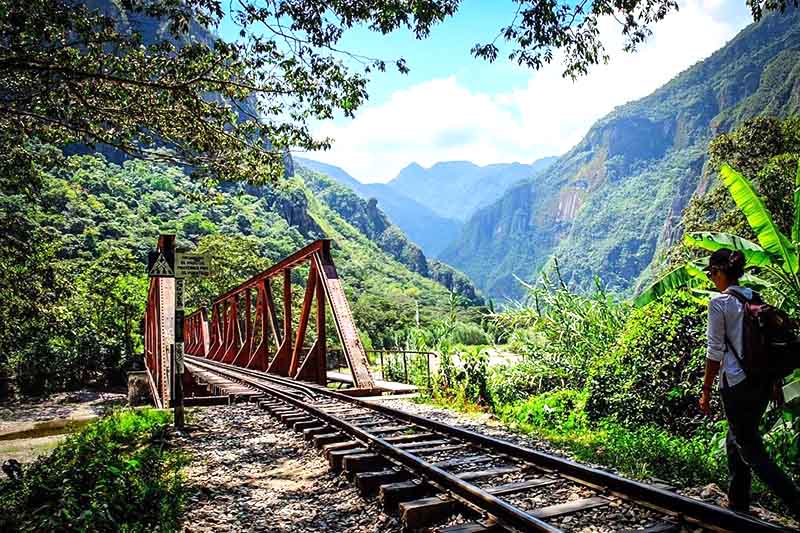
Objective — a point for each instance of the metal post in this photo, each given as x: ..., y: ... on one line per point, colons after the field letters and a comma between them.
x: 383, y: 374
x: 177, y: 401
x: 405, y: 367
x: 428, y: 369
x: 177, y: 352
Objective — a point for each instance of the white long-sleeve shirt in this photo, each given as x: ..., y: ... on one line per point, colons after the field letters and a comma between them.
x: 725, y: 316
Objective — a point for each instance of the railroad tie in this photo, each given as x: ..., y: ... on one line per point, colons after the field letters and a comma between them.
x: 311, y: 423
x: 363, y: 462
x: 474, y: 475
x: 426, y: 512
x: 575, y: 506
x: 394, y: 493
x: 410, y: 437
x: 412, y: 446
x: 310, y: 433
x: 324, y: 439
x: 369, y: 483
x: 335, y: 457
x: 292, y: 420
x: 473, y: 459
x: 342, y: 445
x: 437, y: 449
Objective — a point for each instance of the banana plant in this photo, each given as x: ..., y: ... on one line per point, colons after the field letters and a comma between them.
x: 775, y: 254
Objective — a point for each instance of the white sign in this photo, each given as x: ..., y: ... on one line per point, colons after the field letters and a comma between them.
x: 191, y: 265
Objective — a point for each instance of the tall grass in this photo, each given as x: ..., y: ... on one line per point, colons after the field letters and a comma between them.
x: 560, y: 332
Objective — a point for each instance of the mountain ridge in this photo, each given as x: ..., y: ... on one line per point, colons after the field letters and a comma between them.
x: 611, y: 204
x: 424, y: 227
x: 456, y: 189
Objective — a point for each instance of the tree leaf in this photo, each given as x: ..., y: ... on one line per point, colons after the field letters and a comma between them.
x: 769, y: 236
x: 711, y: 241
x: 791, y: 393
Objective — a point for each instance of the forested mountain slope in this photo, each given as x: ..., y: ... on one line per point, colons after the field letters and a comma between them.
x: 455, y: 189
x: 430, y: 231
x: 99, y: 208
x: 613, y: 202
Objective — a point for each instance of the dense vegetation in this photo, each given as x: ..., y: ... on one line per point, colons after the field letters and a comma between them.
x: 117, y: 474
x: 74, y: 258
x: 611, y: 205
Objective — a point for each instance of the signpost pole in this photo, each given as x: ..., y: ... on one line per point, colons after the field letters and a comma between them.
x: 167, y: 262
x: 179, y: 302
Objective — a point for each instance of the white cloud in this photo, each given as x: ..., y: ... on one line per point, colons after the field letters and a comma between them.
x: 441, y: 120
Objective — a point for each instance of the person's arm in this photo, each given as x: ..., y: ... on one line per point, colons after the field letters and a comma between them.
x: 715, y: 351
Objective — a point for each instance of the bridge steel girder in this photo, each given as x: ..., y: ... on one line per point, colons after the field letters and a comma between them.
x: 243, y: 337
x: 159, y: 331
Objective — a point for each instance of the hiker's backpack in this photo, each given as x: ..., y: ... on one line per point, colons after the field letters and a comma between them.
x: 770, y: 346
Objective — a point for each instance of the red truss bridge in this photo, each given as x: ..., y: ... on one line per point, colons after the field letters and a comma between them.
x: 253, y: 326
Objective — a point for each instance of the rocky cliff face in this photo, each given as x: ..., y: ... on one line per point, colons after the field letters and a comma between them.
x: 610, y: 204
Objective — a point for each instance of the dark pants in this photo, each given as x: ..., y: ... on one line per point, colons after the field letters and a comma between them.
x: 745, y: 404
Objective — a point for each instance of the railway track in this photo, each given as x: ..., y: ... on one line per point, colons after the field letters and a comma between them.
x: 430, y: 472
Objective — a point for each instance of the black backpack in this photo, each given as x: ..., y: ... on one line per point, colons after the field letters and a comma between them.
x: 770, y: 345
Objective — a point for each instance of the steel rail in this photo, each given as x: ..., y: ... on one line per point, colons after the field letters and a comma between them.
x: 686, y: 508
x: 230, y: 370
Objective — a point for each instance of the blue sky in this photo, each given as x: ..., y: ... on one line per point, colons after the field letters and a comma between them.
x: 454, y: 107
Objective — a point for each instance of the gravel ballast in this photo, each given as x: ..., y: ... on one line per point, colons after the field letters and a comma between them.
x: 249, y: 473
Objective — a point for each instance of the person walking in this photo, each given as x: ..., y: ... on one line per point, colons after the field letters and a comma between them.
x: 744, y: 398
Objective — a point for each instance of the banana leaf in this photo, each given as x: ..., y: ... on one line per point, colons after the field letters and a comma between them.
x: 769, y: 236
x: 753, y: 253
x: 791, y: 393
x: 686, y: 276
x: 796, y: 225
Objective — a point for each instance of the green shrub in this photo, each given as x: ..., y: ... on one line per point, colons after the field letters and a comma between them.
x: 473, y: 376
x: 469, y: 334
x: 654, y: 372
x: 649, y: 451
x: 562, y: 410
x: 643, y: 452
x: 562, y: 330
x: 114, y: 475
x: 510, y: 384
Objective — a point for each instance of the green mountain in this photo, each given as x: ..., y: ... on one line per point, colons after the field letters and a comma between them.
x: 456, y: 189
x: 98, y: 209
x: 430, y: 231
x: 613, y: 203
